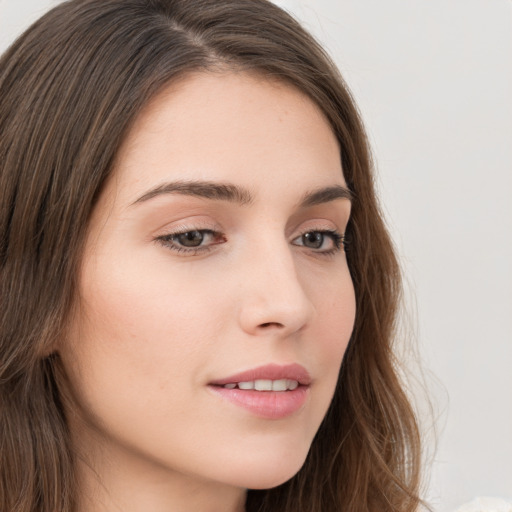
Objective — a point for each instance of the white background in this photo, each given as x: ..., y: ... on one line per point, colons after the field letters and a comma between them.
x: 433, y: 79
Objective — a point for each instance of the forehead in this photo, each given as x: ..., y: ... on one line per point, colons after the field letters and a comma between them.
x: 228, y: 126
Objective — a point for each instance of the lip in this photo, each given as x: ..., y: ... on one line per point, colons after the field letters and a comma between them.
x: 269, y: 371
x: 270, y: 405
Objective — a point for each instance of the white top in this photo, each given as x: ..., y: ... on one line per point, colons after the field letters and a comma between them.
x: 486, y: 505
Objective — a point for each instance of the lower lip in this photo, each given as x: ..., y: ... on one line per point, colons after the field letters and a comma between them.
x: 272, y: 405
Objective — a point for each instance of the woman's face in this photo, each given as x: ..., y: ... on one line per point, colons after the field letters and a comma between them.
x: 214, y: 257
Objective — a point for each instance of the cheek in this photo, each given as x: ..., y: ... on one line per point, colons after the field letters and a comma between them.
x: 339, y: 310
x: 137, y: 334
x: 340, y: 317
x: 136, y: 358
x: 146, y: 297
x: 335, y: 306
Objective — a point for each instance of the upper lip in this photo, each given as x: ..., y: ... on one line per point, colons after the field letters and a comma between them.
x: 269, y: 372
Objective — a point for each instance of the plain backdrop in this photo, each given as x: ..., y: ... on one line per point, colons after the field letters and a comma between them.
x: 433, y: 79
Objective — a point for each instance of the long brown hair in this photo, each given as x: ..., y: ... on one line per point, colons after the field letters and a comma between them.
x: 70, y: 88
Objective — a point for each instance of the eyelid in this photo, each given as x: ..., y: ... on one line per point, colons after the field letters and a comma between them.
x: 192, y: 223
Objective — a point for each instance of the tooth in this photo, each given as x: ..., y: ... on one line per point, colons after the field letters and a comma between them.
x: 231, y: 385
x: 292, y: 384
x: 246, y: 385
x: 263, y: 385
x: 279, y: 385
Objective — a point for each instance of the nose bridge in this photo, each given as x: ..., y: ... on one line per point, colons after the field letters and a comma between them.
x: 274, y: 297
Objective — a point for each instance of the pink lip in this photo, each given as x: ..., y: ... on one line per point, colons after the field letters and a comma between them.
x: 272, y: 405
x: 269, y: 371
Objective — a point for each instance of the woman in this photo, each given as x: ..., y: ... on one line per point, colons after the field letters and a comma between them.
x: 182, y: 328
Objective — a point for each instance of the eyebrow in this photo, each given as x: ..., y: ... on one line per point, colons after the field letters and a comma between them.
x: 325, y: 195
x: 236, y: 194
x: 204, y: 189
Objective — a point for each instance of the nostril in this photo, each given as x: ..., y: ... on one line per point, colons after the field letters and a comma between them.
x: 271, y: 324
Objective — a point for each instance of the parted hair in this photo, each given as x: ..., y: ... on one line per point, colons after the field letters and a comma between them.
x: 71, y: 87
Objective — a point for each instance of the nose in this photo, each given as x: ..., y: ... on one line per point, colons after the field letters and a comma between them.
x: 273, y: 299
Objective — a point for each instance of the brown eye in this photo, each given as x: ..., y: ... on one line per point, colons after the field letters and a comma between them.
x: 313, y: 240
x: 192, y: 242
x: 190, y: 238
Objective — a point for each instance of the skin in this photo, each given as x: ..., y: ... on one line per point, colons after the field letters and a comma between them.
x: 154, y: 326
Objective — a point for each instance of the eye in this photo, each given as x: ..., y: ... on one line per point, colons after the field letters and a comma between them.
x: 190, y: 238
x: 192, y: 241
x: 321, y: 241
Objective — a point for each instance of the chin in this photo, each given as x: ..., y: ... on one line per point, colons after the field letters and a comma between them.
x: 265, y: 474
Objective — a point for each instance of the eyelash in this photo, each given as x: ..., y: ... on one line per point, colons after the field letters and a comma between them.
x: 169, y: 241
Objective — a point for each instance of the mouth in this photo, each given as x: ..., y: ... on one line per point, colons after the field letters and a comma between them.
x: 264, y: 385
x: 269, y: 392
x: 264, y: 378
